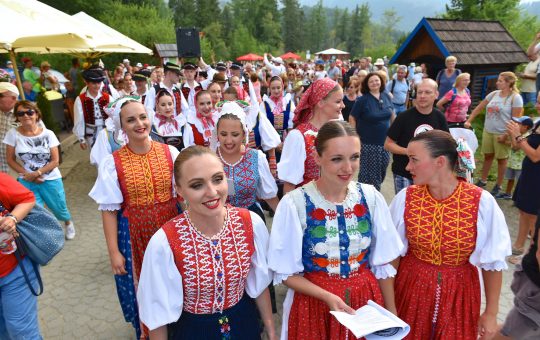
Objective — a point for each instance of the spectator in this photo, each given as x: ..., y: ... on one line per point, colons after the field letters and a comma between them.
x: 29, y: 94
x: 9, y: 69
x: 447, y: 76
x: 371, y: 115
x: 73, y: 74
x: 420, y: 118
x: 501, y: 105
x: 334, y: 72
x: 30, y: 75
x: 8, y: 97
x: 19, y: 316
x: 528, y: 79
x: 456, y: 102
x: 32, y: 151
x: 46, y: 78
x: 399, y: 88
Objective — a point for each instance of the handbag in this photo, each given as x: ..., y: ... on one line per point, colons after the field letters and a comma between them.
x: 42, y: 235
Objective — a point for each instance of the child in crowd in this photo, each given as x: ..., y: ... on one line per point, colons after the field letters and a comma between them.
x: 516, y: 158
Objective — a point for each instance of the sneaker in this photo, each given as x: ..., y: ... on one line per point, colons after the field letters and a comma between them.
x: 480, y: 183
x: 503, y: 196
x: 495, y: 190
x: 70, y: 231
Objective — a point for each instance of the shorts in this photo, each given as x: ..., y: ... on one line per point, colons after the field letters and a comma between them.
x: 491, y: 146
x: 512, y: 174
x: 520, y: 322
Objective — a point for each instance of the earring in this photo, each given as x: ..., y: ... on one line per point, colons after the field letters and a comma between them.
x: 243, y: 149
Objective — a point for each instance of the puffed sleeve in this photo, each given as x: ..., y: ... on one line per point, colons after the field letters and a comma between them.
x: 285, y: 250
x: 78, y: 119
x: 187, y: 136
x: 106, y: 191
x: 269, y: 137
x: 174, y: 153
x: 493, y: 243
x: 150, y: 103
x: 293, y: 156
x: 266, y: 188
x: 397, y: 209
x: 386, y: 244
x: 160, y: 293
x: 101, y: 148
x: 259, y: 276
x: 290, y: 123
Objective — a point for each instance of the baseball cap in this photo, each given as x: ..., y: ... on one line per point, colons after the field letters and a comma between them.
x: 524, y: 120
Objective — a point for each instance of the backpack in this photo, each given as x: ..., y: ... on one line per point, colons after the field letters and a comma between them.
x: 454, y: 95
x: 394, y: 84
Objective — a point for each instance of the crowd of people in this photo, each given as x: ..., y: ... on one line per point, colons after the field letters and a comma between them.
x: 190, y: 157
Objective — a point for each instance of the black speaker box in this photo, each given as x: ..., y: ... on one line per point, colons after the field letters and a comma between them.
x: 188, y: 43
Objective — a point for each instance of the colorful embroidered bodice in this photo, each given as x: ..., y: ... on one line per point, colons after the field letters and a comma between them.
x: 245, y: 175
x: 442, y: 232
x: 214, y: 270
x: 336, y: 236
x: 146, y: 185
x: 280, y: 122
x: 311, y: 169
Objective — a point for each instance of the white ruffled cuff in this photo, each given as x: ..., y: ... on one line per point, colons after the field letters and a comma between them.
x: 109, y: 207
x: 494, y: 266
x: 384, y: 271
x: 279, y: 278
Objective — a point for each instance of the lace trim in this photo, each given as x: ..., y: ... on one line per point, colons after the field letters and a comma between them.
x: 109, y: 207
x: 495, y: 266
x: 384, y: 272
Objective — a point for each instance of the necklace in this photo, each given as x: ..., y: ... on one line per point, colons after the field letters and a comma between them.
x: 227, y: 163
x: 215, y: 236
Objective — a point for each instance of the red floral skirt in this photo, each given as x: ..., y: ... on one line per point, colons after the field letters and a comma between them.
x: 438, y: 302
x: 310, y: 318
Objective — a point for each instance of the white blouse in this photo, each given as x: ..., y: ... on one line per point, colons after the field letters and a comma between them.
x: 160, y: 292
x: 102, y: 146
x: 291, y: 165
x: 286, y: 99
x: 493, y: 243
x: 188, y: 137
x: 285, y: 249
x: 106, y: 191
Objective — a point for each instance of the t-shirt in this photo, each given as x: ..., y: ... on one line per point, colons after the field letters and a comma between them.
x: 530, y: 262
x: 456, y: 112
x: 334, y: 73
x: 34, y: 152
x: 499, y: 111
x: 400, y: 90
x: 407, y: 125
x: 529, y: 85
x: 372, y: 117
x: 446, y: 83
x: 11, y: 194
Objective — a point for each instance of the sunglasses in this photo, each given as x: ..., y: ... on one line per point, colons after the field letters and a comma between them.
x: 29, y: 113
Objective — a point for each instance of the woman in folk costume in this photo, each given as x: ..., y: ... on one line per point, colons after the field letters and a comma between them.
x: 332, y: 242
x: 201, y: 267
x: 167, y: 128
x: 201, y: 122
x: 321, y: 103
x: 112, y: 137
x: 449, y: 228
x: 134, y: 190
x: 279, y: 108
x: 246, y: 169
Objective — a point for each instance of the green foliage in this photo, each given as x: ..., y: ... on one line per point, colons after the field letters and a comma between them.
x: 293, y: 33
x: 183, y: 13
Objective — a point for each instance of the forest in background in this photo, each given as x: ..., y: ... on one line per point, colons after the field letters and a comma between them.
x: 237, y: 27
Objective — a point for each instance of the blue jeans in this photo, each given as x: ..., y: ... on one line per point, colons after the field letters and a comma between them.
x: 401, y: 183
x: 399, y: 107
x: 529, y: 97
x: 18, y: 307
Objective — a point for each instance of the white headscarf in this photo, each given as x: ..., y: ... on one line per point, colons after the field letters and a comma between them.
x: 234, y: 109
x: 113, y: 111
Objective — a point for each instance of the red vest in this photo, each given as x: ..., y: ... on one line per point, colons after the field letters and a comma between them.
x: 88, y: 107
x: 311, y: 169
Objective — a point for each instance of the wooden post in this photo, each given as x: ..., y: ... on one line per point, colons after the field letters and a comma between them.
x: 16, y: 70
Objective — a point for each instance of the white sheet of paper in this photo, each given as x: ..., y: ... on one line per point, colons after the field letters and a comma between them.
x: 372, y: 318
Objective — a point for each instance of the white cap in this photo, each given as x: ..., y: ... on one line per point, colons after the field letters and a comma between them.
x: 125, y: 61
x: 6, y: 86
x: 278, y: 60
x: 139, y: 65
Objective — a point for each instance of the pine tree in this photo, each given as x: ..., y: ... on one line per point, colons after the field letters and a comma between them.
x: 183, y: 13
x: 292, y: 25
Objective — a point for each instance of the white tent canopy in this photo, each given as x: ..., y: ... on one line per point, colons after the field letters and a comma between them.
x: 332, y: 51
x: 107, y: 39
x: 31, y: 26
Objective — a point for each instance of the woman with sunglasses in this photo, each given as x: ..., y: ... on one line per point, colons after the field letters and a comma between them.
x: 32, y: 152
x: 134, y: 190
x: 372, y: 114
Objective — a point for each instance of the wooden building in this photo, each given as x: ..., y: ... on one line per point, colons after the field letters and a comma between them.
x: 166, y: 52
x: 482, y: 48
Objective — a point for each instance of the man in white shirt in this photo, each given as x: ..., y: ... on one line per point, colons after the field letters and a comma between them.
x: 170, y: 82
x: 276, y: 68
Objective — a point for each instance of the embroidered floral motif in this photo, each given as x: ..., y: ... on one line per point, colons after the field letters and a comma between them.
x: 318, y: 214
x: 224, y: 327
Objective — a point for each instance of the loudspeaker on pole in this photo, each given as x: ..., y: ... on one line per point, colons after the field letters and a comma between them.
x: 188, y: 42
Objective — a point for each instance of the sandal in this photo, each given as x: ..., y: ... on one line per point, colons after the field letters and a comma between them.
x: 517, y: 251
x: 516, y: 259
